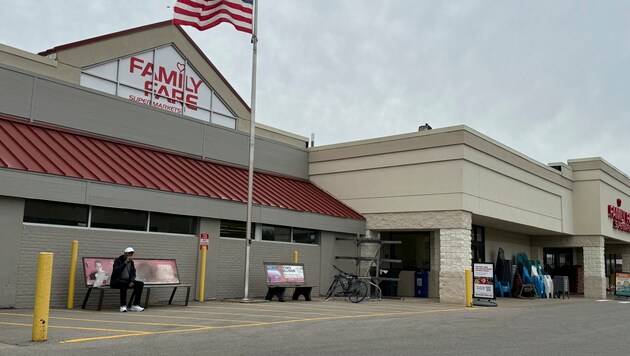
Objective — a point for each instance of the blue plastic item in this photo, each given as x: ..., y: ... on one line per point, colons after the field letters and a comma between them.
x: 421, y: 283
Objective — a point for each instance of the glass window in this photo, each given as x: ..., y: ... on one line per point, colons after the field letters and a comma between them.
x: 176, y: 224
x: 123, y: 219
x: 304, y: 236
x: 48, y: 212
x: 236, y: 229
x: 276, y: 233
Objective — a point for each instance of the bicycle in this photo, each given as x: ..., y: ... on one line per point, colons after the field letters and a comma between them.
x: 348, y: 286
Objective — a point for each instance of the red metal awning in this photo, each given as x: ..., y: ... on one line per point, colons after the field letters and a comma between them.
x: 42, y: 149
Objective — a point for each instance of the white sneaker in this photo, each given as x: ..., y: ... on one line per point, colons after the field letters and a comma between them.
x: 136, y: 308
x: 123, y: 309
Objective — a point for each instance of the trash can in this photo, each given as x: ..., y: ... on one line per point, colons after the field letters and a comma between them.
x: 422, y: 283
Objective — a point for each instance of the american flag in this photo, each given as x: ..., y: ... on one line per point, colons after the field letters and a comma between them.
x: 204, y: 14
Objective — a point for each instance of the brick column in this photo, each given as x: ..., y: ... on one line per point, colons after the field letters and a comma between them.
x: 625, y: 262
x: 455, y: 257
x: 594, y: 271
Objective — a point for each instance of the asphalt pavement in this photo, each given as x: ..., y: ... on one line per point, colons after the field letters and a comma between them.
x: 414, y: 326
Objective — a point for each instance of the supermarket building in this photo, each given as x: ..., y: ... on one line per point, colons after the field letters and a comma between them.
x: 135, y: 138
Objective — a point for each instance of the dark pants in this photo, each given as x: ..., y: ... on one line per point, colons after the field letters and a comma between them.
x: 123, y: 286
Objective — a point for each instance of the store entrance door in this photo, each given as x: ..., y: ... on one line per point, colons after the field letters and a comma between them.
x: 556, y: 258
x: 413, y: 252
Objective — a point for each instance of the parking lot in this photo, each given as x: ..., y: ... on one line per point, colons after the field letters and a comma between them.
x: 77, y: 326
x: 220, y: 327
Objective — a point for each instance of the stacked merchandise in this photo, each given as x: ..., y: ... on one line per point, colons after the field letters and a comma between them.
x: 504, y: 268
x: 576, y: 277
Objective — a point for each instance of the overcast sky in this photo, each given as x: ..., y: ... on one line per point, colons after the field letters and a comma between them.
x: 550, y: 79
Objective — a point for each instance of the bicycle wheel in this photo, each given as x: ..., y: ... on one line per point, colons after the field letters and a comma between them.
x: 359, y: 291
x: 331, y: 290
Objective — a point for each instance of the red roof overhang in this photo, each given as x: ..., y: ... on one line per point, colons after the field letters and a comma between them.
x: 43, y: 149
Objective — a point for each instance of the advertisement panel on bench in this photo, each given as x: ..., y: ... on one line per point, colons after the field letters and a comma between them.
x: 98, y: 271
x: 278, y: 273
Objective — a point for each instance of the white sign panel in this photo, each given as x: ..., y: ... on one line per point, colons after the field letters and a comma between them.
x: 161, y: 78
x: 483, y: 280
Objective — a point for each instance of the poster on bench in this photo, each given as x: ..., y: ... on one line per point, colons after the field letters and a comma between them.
x: 98, y: 271
x: 284, y: 274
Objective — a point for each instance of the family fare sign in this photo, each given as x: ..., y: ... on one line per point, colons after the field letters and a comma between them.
x: 620, y: 218
x: 172, y: 84
x: 165, y: 81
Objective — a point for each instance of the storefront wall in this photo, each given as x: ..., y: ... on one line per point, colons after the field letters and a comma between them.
x: 11, y: 215
x: 444, y: 181
x: 37, y: 238
x: 231, y: 270
x: 47, y: 90
x: 512, y: 244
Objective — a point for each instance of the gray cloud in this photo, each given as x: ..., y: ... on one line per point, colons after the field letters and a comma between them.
x: 548, y: 79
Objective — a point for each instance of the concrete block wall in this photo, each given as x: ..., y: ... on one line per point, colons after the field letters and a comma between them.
x: 96, y: 243
x: 231, y: 267
x: 455, y: 257
x: 594, y: 272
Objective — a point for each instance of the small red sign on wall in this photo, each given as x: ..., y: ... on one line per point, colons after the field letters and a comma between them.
x: 203, y: 241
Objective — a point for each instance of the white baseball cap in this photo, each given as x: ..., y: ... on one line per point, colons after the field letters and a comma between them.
x: 129, y: 249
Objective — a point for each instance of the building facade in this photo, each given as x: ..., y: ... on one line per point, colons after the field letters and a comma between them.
x: 458, y: 196
x: 135, y: 139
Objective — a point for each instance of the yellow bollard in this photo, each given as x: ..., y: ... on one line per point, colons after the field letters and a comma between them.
x: 73, y: 272
x: 202, y: 274
x: 469, y: 293
x: 42, y: 296
x: 295, y: 260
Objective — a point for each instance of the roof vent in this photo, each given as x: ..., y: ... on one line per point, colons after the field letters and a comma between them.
x: 424, y: 127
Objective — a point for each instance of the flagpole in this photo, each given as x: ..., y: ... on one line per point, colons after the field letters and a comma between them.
x: 252, y: 139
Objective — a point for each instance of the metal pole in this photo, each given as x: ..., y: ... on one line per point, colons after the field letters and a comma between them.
x: 252, y: 139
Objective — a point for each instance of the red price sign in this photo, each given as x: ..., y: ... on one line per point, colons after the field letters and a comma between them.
x: 203, y: 241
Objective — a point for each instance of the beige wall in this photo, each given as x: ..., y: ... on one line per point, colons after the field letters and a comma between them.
x: 512, y: 243
x: 598, y: 184
x: 450, y: 169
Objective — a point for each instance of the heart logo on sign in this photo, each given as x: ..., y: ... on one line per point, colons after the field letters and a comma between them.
x: 181, y: 66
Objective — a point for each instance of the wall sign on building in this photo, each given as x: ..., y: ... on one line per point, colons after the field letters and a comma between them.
x: 161, y: 78
x: 620, y: 218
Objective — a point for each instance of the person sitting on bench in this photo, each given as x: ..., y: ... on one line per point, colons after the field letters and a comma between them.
x: 124, y: 277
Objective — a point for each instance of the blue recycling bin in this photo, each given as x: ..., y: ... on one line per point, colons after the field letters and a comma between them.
x: 422, y: 283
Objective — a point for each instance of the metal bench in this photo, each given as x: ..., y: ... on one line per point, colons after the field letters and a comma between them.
x: 155, y: 273
x: 281, y: 276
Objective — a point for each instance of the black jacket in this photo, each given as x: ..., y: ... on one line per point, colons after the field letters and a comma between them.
x: 119, y: 266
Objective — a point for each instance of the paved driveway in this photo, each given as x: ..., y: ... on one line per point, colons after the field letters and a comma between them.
x: 387, y: 327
